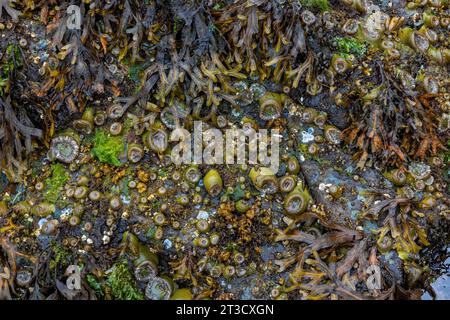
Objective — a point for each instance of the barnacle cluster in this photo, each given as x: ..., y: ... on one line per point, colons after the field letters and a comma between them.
x: 357, y: 91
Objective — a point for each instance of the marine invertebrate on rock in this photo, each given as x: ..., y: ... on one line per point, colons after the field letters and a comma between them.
x: 81, y: 192
x: 115, y: 203
x: 135, y: 152
x: 50, y: 227
x: 213, y: 182
x: 396, y: 176
x: 264, y: 179
x: 350, y: 26
x: 297, y: 201
x: 414, y: 39
x: 192, y: 174
x: 308, y: 17
x: 293, y: 166
x: 271, y: 106
x: 86, y: 123
x: 202, y: 242
x: 332, y: 134
x: 43, y: 209
x: 439, y: 55
x: 308, y: 115
x: 339, y: 64
x: 202, y: 225
x: 159, y: 288
x: 115, y: 128
x: 430, y: 20
x: 224, y: 63
x: 95, y: 195
x: 287, y: 183
x: 100, y: 118
x: 157, y: 140
x: 65, y: 147
x: 145, y: 261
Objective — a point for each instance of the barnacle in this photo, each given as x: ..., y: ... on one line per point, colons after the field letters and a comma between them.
x: 439, y: 55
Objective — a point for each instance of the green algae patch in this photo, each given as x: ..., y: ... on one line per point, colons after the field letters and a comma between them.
x: 350, y: 46
x: 127, y: 125
x: 322, y: 5
x: 12, y: 62
x: 121, y: 282
x: 136, y: 70
x: 107, y: 148
x: 238, y: 193
x: 95, y: 285
x: 56, y: 182
x: 219, y: 5
x: 60, y: 257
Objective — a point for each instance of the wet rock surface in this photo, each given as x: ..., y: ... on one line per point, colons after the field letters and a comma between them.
x: 87, y: 180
